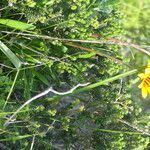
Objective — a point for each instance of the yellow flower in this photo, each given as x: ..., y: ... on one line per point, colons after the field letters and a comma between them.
x: 145, y: 84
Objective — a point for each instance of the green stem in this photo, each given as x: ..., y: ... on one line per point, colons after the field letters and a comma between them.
x: 94, y: 85
x: 11, y: 89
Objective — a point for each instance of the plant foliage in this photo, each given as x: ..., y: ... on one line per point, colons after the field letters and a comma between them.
x: 102, y: 118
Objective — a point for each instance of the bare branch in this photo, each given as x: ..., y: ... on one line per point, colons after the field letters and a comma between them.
x: 40, y: 95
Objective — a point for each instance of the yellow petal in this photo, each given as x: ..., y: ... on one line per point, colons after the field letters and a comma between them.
x: 141, y: 85
x: 147, y: 70
x: 148, y: 89
x: 144, y: 92
x: 142, y: 75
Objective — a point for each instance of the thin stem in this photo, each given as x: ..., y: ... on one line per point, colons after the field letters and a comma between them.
x: 94, y: 85
x: 12, y: 87
x: 32, y: 144
x: 135, y: 127
x: 111, y: 42
x: 3, y: 65
x: 115, y: 131
x: 97, y: 52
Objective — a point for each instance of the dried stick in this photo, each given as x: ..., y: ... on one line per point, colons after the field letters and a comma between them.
x: 40, y: 95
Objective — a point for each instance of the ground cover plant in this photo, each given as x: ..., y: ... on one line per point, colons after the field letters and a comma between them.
x: 69, y: 75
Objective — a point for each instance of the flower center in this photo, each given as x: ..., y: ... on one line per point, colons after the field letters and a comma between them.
x: 147, y: 81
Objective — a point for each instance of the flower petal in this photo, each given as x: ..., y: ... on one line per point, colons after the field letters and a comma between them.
x: 144, y: 92
x: 148, y: 89
x: 141, y: 85
x: 142, y: 75
x: 147, y: 70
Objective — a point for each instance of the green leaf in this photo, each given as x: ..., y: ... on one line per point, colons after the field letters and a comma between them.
x: 17, y: 24
x: 88, y: 55
x: 29, y: 58
x: 14, y: 138
x: 13, y: 58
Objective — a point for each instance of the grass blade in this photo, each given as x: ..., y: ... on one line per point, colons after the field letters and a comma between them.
x: 11, y: 89
x: 12, y: 57
x: 108, y: 80
x: 17, y: 24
